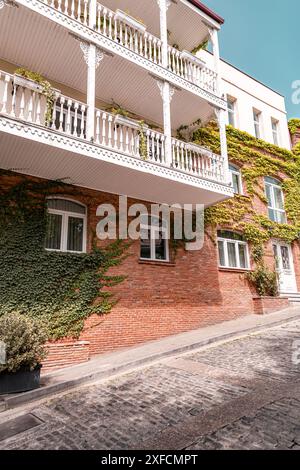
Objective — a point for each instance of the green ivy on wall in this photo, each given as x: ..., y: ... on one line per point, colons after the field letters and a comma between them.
x: 61, y: 289
x: 256, y: 159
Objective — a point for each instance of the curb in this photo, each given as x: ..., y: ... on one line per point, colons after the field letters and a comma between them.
x: 7, y: 403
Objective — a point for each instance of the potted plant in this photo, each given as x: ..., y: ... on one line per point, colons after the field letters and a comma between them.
x: 24, y: 342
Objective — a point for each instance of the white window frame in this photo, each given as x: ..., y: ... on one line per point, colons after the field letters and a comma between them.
x: 153, y: 229
x: 64, y: 227
x: 275, y: 131
x: 225, y: 241
x: 273, y: 207
x: 231, y: 110
x: 234, y: 170
x: 257, y: 123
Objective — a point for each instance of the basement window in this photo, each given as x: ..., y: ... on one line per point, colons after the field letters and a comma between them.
x: 233, y: 250
x: 66, y: 228
x: 154, y: 239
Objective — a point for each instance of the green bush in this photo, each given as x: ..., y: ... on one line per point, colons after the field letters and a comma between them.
x: 264, y: 281
x: 24, y: 339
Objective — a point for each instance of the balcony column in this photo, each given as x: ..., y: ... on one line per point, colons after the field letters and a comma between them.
x: 221, y: 118
x: 163, y: 8
x: 213, y: 33
x: 167, y: 92
x: 91, y: 75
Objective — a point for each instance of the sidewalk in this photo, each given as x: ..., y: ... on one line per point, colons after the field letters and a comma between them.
x: 110, y: 364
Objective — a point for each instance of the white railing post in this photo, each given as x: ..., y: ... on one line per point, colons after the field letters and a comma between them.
x: 91, y: 53
x: 163, y: 8
x: 167, y: 91
x: 216, y: 53
x: 221, y: 117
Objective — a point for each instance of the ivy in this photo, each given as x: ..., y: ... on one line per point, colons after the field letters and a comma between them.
x: 257, y: 159
x: 47, y: 90
x: 60, y: 289
x: 294, y: 125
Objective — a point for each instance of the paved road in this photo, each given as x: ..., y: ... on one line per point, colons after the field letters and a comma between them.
x: 242, y: 394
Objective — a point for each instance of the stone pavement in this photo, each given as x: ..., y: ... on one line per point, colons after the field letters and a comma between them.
x: 241, y: 393
x: 110, y: 364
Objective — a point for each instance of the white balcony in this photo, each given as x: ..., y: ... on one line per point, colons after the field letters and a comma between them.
x: 133, y: 39
x: 121, y: 149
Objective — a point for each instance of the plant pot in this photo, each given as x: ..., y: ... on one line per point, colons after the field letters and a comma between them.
x: 21, y: 381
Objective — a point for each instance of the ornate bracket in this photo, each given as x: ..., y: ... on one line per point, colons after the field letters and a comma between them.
x: 85, y: 47
x: 161, y: 84
x: 8, y: 3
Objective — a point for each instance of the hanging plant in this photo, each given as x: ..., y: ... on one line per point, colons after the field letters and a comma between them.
x: 143, y: 141
x: 48, y: 91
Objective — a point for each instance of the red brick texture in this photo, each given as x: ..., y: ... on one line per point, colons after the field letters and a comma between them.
x: 158, y: 300
x: 263, y: 305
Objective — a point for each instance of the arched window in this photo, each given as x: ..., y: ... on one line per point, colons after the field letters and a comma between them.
x: 236, y: 179
x: 154, y: 239
x: 233, y: 250
x: 275, y: 200
x: 66, y: 230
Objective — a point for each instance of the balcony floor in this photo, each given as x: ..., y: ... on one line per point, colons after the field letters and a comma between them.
x: 36, y: 151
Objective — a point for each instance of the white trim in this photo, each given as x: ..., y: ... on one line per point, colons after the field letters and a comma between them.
x: 276, y: 210
x: 65, y: 220
x: 225, y: 242
x: 154, y: 228
x: 236, y: 171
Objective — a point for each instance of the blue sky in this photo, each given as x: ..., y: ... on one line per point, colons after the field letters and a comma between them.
x: 262, y: 37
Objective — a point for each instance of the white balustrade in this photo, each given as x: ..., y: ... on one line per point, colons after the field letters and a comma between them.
x: 130, y: 137
x: 75, y: 9
x: 128, y: 32
x: 197, y: 160
x: 24, y: 100
x: 192, y: 69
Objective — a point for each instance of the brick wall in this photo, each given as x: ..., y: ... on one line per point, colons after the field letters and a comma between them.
x: 158, y: 300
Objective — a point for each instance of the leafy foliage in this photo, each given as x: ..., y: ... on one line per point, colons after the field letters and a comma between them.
x: 24, y: 339
x: 294, y: 125
x: 47, y: 90
x: 61, y: 289
x: 264, y: 281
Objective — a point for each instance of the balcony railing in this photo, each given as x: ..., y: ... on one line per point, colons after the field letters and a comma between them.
x: 23, y: 99
x: 132, y: 34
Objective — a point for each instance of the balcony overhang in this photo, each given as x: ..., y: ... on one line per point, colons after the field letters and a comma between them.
x: 36, y: 151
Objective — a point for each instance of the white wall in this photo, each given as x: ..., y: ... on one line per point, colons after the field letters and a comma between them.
x: 250, y: 94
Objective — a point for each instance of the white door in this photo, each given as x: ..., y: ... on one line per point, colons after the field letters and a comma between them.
x: 285, y: 267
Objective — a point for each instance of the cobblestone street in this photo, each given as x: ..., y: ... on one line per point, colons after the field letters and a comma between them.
x: 240, y: 394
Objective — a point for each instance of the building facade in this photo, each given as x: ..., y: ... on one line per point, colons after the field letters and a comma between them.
x: 116, y: 111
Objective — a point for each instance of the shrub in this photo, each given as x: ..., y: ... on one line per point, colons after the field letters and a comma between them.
x: 24, y: 340
x: 264, y: 281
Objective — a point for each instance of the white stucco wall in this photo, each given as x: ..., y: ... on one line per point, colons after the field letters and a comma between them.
x: 250, y: 94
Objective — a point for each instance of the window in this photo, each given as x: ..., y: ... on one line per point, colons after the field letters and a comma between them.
x: 66, y: 229
x: 236, y: 179
x: 231, y: 106
x: 154, y: 239
x: 233, y: 250
x: 275, y: 131
x: 256, y: 120
x: 275, y: 200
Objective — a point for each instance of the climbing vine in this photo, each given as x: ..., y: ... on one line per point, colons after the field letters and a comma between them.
x: 59, y: 289
x: 257, y: 159
x: 47, y: 90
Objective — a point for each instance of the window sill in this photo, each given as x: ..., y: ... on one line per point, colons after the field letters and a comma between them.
x: 235, y: 270
x: 156, y: 262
